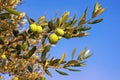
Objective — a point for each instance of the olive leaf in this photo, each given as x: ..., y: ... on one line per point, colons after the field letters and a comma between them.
x: 62, y: 58
x: 60, y: 72
x: 51, y: 25
x: 70, y: 69
x: 81, y: 54
x: 64, y: 17
x: 71, y: 62
x: 13, y: 11
x: 42, y: 19
x: 48, y: 73
x: 4, y: 16
x: 46, y: 49
x: 30, y: 20
x: 73, y: 53
x: 84, y: 28
x: 30, y: 53
x: 78, y: 65
x: 97, y: 10
x: 73, y: 22
x: 95, y: 21
x: 83, y: 18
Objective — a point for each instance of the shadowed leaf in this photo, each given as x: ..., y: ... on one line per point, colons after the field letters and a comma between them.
x: 62, y: 73
x: 95, y: 21
x: 30, y: 53
x: 48, y: 73
x: 70, y: 69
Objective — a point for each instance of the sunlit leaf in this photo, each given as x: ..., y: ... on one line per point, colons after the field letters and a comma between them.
x: 73, y: 53
x: 13, y: 11
x: 62, y: 58
x: 81, y: 53
x: 83, y: 18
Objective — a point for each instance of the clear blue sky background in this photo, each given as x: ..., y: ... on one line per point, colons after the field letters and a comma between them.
x: 104, y: 38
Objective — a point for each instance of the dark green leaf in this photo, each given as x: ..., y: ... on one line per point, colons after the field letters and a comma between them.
x: 84, y: 28
x: 15, y: 32
x: 79, y: 64
x: 30, y: 68
x: 95, y: 21
x: 72, y: 69
x: 4, y: 16
x: 73, y: 22
x: 30, y: 20
x: 46, y: 49
x: 62, y: 73
x: 71, y: 62
x: 48, y: 73
x: 54, y: 62
x: 1, y: 41
x: 51, y: 25
x: 30, y: 53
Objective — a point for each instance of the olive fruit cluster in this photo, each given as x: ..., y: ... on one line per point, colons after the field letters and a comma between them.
x: 35, y: 28
x: 54, y: 37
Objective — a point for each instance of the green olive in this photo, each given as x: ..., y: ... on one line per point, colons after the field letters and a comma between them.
x: 60, y: 32
x: 39, y: 29
x: 33, y: 27
x: 53, y: 38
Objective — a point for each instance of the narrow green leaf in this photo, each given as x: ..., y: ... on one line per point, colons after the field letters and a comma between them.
x: 30, y: 53
x: 84, y: 28
x: 83, y: 17
x: 51, y: 25
x: 30, y: 20
x: 42, y: 19
x: 73, y: 22
x: 48, y: 73
x: 71, y: 62
x: 65, y: 16
x: 4, y: 16
x: 62, y: 73
x: 70, y: 69
x: 81, y: 53
x: 13, y: 11
x: 46, y: 49
x: 62, y: 58
x: 54, y: 62
x: 79, y: 64
x: 73, y: 53
x: 95, y: 21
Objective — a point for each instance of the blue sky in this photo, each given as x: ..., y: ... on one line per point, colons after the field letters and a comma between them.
x: 104, y: 39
